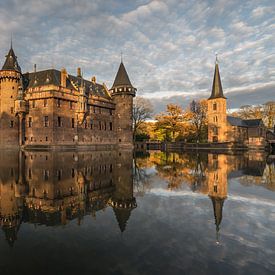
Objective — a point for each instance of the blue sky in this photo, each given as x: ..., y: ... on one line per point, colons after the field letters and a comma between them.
x: 168, y: 46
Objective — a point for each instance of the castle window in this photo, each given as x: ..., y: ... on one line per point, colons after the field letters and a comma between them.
x: 30, y: 122
x: 99, y: 124
x: 105, y: 126
x: 215, y: 131
x: 91, y: 124
x: 59, y: 123
x: 72, y: 122
x: 46, y: 138
x: 215, y: 118
x: 58, y: 102
x: 46, y: 121
x: 45, y: 102
x: 214, y: 106
x: 31, y: 139
x: 71, y: 105
x: 111, y: 126
x: 111, y: 112
x: 12, y: 110
x: 94, y: 109
x: 33, y: 103
x: 73, y: 173
x: 59, y: 174
x: 46, y: 174
x: 215, y: 188
x: 85, y: 124
x: 30, y: 173
x: 11, y: 124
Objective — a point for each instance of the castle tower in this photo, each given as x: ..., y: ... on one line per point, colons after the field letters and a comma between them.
x: 123, y: 200
x: 123, y: 93
x: 217, y: 185
x: 216, y: 111
x: 10, y: 80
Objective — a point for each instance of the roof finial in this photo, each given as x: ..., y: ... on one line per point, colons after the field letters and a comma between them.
x: 11, y: 40
x: 216, y: 58
x: 121, y: 57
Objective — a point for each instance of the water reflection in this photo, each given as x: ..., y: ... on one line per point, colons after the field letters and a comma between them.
x: 208, y: 173
x: 52, y: 188
x: 187, y: 204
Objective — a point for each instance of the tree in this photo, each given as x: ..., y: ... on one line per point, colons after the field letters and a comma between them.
x: 269, y: 114
x: 142, y: 110
x: 170, y: 122
x: 197, y: 117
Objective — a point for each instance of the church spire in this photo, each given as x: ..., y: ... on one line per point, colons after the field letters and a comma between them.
x: 11, y: 63
x: 217, y: 91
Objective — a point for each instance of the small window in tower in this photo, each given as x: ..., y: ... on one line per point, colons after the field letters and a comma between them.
x: 99, y: 125
x: 45, y: 102
x: 33, y: 103
x: 46, y: 121
x: 58, y: 102
x: 30, y: 122
x: 11, y: 124
x: 71, y: 105
x: 59, y: 123
x: 12, y: 109
x: 91, y: 124
x: 46, y: 138
x: 214, y: 106
x: 105, y: 126
x: 111, y: 112
x: 13, y: 87
x: 111, y: 126
x: 11, y: 96
x: 72, y: 122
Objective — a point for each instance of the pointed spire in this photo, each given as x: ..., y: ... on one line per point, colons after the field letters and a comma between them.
x: 217, y: 91
x: 217, y: 206
x: 11, y: 61
x: 122, y: 78
x: 122, y: 216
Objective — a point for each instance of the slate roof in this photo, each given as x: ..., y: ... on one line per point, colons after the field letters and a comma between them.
x: 236, y: 121
x: 217, y: 91
x: 11, y: 62
x: 122, y: 78
x: 53, y: 77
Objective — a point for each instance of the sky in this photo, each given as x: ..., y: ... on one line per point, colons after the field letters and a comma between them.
x: 168, y: 47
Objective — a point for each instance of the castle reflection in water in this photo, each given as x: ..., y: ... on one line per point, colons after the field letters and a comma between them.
x: 53, y: 188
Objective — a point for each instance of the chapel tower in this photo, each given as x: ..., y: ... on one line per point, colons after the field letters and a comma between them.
x: 216, y: 110
x: 123, y: 93
x: 10, y: 82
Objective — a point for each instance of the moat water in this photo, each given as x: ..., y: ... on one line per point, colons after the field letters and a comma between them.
x: 156, y: 213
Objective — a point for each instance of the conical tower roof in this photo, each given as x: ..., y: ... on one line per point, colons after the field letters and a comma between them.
x: 11, y: 62
x: 217, y: 91
x: 122, y: 216
x: 122, y: 78
x: 217, y: 206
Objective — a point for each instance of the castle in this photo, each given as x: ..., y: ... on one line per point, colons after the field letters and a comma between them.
x: 228, y: 129
x: 52, y: 108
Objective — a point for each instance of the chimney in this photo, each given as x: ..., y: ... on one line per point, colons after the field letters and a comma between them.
x: 79, y: 72
x: 64, y: 76
x: 93, y: 79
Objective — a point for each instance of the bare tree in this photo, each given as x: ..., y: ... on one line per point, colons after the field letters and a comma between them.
x: 142, y: 110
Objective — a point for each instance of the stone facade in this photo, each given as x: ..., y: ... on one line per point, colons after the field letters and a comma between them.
x: 51, y: 108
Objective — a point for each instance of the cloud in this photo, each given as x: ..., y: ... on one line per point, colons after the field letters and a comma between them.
x: 168, y: 46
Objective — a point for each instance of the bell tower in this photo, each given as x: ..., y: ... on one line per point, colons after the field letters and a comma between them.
x: 10, y: 81
x: 123, y: 93
x: 216, y: 110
